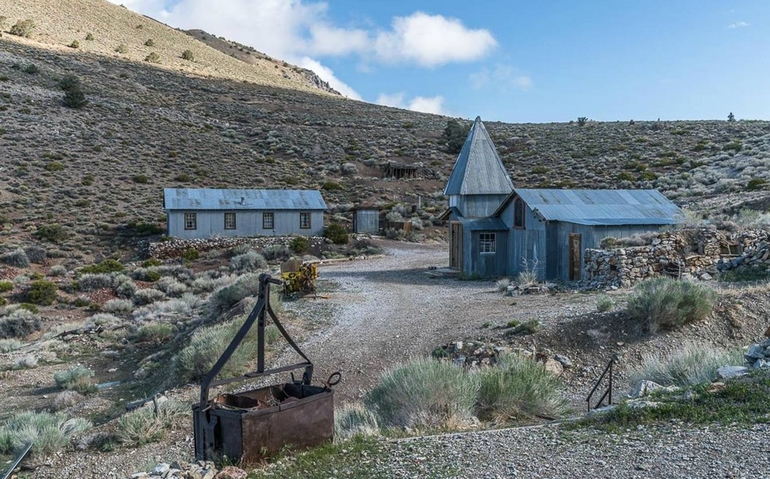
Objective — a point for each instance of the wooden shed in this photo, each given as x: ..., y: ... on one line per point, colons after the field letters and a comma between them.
x: 366, y: 220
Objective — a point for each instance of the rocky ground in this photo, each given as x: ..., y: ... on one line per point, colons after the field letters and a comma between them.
x: 372, y: 314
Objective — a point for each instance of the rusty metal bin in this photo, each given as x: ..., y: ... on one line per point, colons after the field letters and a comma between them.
x: 252, y: 425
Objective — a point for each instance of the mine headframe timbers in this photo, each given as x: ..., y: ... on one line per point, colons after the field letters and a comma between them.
x: 255, y: 424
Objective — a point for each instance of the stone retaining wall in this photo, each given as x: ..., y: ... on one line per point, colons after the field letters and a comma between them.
x: 694, y: 253
x: 175, y: 247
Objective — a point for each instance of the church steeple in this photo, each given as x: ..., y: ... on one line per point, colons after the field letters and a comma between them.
x: 478, y: 169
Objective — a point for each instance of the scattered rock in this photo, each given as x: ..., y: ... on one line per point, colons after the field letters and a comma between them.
x: 564, y: 360
x: 644, y: 388
x: 554, y: 367
x: 231, y: 472
x: 727, y: 372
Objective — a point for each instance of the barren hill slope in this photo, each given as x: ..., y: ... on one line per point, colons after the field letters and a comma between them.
x: 118, y: 32
x: 146, y: 127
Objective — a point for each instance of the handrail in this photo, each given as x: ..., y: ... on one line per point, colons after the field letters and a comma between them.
x: 607, y: 392
x: 15, y: 464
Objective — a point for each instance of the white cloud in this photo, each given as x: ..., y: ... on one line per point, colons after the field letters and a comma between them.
x: 395, y: 100
x: 297, y: 28
x: 432, y: 40
x: 738, y: 25
x: 503, y: 76
x: 326, y: 74
x: 434, y: 104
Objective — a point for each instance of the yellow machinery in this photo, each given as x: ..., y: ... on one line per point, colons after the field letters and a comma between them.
x: 299, y: 277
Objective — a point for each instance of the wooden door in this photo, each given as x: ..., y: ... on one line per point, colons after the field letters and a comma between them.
x: 456, y: 246
x: 575, y: 247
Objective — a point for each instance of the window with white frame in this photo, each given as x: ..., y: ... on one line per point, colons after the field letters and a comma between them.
x: 190, y: 221
x: 229, y: 221
x: 268, y: 221
x: 304, y: 221
x: 486, y: 242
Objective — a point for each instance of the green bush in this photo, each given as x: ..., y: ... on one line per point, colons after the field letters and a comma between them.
x: 17, y: 258
x: 31, y: 69
x: 331, y: 186
x: 76, y: 379
x: 6, y: 286
x: 207, y: 344
x: 689, y: 365
x: 48, y: 432
x: 665, y: 303
x: 122, y: 48
x: 604, y: 303
x: 454, y: 135
x: 190, y: 254
x: 188, y: 55
x: 152, y: 58
x: 149, y: 43
x: 103, y: 267
x: 75, y: 44
x: 89, y: 36
x: 23, y: 28
x: 151, y: 262
x: 336, y: 233
x: 519, y: 388
x: 73, y: 94
x: 424, y: 393
x: 54, y: 233
x: 299, y: 244
x: 147, y: 424
x: 353, y: 420
x: 141, y: 179
x: 42, y: 292
x: 248, y: 262
x: 224, y: 298
x: 20, y: 323
x: 756, y: 184
x: 156, y: 332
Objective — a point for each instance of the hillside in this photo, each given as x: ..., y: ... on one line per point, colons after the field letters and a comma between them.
x: 148, y: 126
x: 117, y: 32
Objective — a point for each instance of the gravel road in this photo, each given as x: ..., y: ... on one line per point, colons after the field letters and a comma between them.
x: 388, y: 309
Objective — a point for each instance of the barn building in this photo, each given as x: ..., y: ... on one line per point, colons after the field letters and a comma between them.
x: 205, y: 213
x: 498, y: 230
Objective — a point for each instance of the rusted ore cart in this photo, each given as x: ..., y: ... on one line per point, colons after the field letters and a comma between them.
x: 252, y: 425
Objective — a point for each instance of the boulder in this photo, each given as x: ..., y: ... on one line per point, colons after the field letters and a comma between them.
x: 727, y: 372
x: 644, y: 388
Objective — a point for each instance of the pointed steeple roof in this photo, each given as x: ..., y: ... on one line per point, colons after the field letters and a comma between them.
x: 478, y: 169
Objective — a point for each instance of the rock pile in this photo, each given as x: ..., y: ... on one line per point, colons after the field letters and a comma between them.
x: 758, y: 355
x: 175, y: 248
x: 191, y: 470
x: 691, y: 253
x: 477, y: 354
x: 755, y: 260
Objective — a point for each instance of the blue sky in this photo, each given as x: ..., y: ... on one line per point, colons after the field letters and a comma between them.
x: 535, y: 61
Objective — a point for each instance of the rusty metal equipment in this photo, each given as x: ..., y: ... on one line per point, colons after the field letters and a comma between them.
x: 299, y: 277
x: 252, y: 425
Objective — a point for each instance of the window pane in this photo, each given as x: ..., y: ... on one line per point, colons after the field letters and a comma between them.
x: 486, y: 242
x: 229, y: 221
x: 304, y: 220
x: 190, y: 221
x: 268, y: 221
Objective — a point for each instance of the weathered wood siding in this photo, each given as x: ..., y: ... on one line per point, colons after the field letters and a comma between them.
x: 248, y: 223
x: 526, y: 247
x: 485, y: 265
x: 476, y: 206
x: 591, y: 237
x: 367, y: 221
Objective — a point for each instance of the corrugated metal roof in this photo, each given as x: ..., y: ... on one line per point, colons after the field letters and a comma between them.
x: 483, y: 224
x: 232, y: 199
x: 478, y: 169
x: 600, y: 207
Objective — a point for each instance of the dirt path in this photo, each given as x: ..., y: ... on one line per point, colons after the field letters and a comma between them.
x: 387, y: 310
